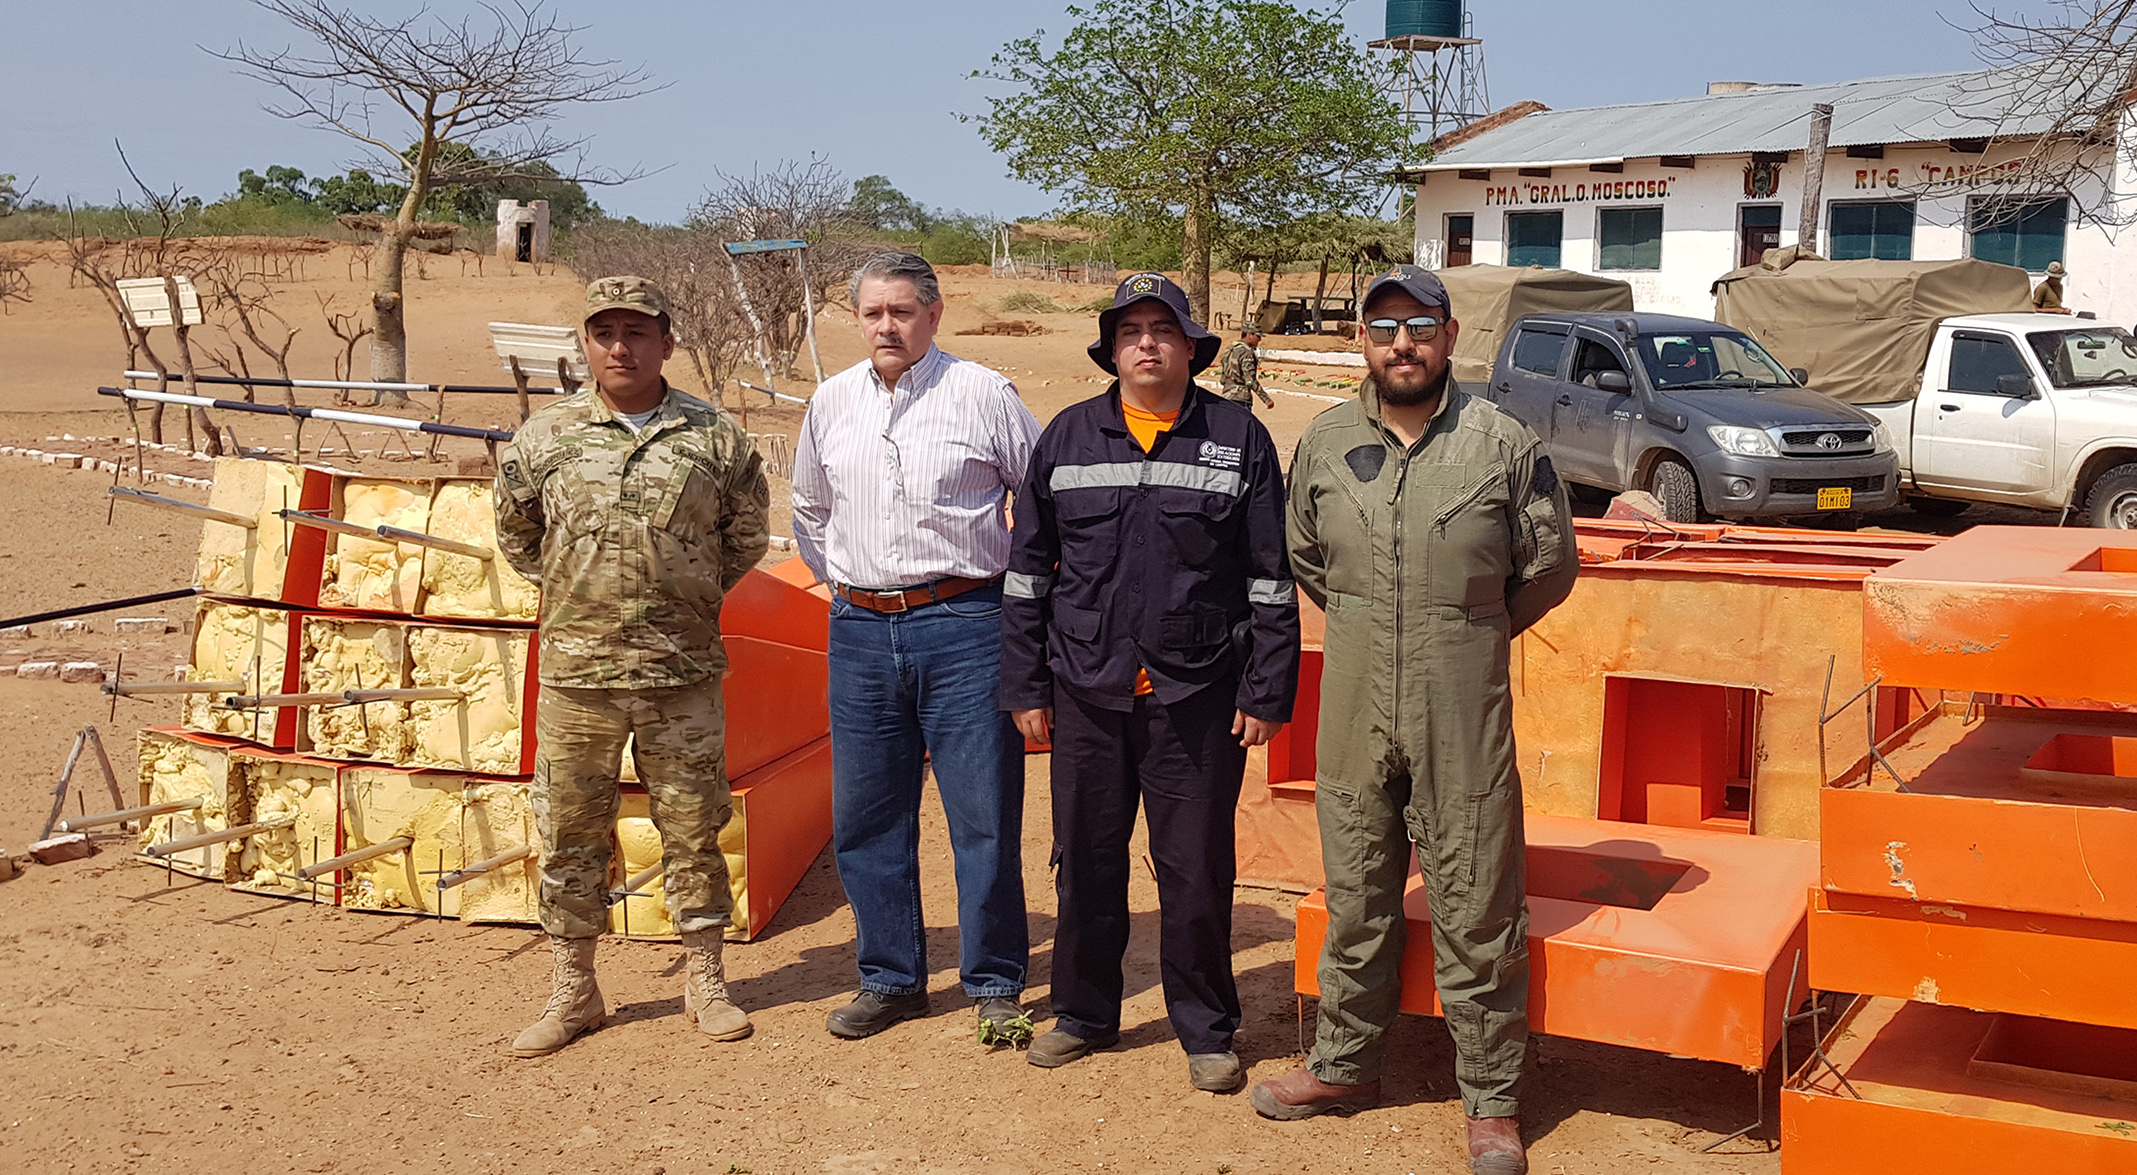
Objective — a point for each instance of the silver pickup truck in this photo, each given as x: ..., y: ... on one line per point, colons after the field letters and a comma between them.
x: 1694, y: 412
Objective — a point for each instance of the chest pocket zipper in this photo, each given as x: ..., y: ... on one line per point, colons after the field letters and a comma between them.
x: 1468, y: 496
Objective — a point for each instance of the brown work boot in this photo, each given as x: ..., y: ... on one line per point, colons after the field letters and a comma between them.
x: 1495, y: 1147
x: 574, y: 1001
x: 705, y: 988
x: 1300, y: 1094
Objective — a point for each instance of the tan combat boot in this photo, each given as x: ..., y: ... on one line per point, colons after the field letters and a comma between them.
x: 705, y: 988
x: 574, y: 1001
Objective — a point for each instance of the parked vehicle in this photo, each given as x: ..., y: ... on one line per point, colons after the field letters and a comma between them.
x: 1692, y: 411
x: 2025, y: 409
x: 1985, y: 401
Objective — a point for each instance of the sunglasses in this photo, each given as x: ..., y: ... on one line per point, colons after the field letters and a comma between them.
x: 1423, y: 329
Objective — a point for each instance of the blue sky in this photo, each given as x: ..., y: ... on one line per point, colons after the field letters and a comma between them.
x: 874, y: 87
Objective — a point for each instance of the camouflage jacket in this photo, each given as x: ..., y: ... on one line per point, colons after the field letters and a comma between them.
x: 635, y: 538
x: 1242, y: 368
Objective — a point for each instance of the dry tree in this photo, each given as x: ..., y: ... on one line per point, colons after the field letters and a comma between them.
x: 2056, y: 93
x: 242, y: 301
x: 351, y: 329
x: 793, y: 201
x: 474, y: 99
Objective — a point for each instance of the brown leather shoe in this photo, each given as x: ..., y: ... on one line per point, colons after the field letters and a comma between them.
x: 1300, y: 1094
x: 1495, y: 1147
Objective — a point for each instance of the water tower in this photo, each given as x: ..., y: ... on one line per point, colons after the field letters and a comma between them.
x: 1438, y: 65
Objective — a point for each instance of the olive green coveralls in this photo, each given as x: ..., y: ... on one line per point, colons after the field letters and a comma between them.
x: 1427, y: 560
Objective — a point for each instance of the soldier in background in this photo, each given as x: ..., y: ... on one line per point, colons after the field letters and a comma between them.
x: 1241, y: 375
x: 2048, y: 296
x: 636, y: 508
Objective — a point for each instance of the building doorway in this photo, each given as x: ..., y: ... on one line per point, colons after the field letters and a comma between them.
x: 1461, y: 239
x: 1758, y: 228
x: 524, y: 250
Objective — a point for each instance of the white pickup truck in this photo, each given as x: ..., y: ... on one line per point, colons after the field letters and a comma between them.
x: 2032, y: 410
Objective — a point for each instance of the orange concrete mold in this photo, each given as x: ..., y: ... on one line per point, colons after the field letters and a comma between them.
x: 1973, y: 957
x: 1928, y: 1106
x: 2024, y: 810
x: 1751, y: 619
x: 2011, y: 610
x: 1673, y: 940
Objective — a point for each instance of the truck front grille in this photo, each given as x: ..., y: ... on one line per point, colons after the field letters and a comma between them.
x: 1811, y: 485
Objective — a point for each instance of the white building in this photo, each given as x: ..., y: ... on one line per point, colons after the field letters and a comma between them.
x: 1671, y: 195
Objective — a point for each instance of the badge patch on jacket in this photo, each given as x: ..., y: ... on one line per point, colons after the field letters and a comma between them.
x: 1366, y: 461
x: 1221, y: 456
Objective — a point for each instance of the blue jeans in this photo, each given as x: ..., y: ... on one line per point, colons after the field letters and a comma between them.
x: 906, y: 688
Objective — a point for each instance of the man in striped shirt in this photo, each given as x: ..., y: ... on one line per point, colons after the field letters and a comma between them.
x: 900, y: 481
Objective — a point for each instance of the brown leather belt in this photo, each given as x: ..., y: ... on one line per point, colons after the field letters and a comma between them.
x: 911, y: 598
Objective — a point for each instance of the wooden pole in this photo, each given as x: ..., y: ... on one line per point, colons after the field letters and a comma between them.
x: 469, y: 873
x: 1814, y: 176
x: 59, y: 790
x: 387, y: 848
x: 124, y: 815
x: 186, y: 844
x: 808, y: 302
x: 756, y: 325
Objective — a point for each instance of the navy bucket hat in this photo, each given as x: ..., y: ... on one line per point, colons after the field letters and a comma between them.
x: 1138, y: 287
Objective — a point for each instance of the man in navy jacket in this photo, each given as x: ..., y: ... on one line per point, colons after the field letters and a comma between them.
x: 1150, y: 631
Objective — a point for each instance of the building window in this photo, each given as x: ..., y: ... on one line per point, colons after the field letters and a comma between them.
x: 1533, y: 238
x: 1631, y: 238
x: 1881, y: 229
x: 2025, y: 233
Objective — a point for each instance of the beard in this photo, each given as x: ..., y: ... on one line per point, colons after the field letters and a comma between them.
x: 1407, y: 388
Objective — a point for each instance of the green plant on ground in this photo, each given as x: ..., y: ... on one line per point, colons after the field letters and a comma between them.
x: 1028, y: 302
x: 1013, y: 1033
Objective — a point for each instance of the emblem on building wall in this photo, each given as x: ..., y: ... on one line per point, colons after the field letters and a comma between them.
x: 1761, y: 180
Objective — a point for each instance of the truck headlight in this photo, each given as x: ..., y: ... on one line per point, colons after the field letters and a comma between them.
x: 1744, y: 442
x: 1881, y: 439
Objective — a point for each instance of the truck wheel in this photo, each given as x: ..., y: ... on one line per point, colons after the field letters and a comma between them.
x: 1673, y: 485
x: 1937, y: 507
x: 2112, y: 502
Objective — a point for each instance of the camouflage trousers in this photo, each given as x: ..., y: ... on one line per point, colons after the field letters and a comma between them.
x: 681, y: 754
x: 1472, y: 854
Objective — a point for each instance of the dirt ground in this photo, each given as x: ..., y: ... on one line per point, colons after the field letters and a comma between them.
x: 158, y: 1023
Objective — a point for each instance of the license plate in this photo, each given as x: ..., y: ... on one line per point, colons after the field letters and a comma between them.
x: 1835, y: 498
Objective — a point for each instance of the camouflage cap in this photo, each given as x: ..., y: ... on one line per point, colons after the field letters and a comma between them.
x: 624, y: 293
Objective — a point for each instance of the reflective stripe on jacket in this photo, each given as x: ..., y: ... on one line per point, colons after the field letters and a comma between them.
x: 1171, y: 561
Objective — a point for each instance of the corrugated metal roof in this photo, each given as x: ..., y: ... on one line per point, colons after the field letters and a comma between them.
x: 1922, y: 108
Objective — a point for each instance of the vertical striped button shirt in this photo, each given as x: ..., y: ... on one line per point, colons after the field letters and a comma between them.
x: 893, y: 489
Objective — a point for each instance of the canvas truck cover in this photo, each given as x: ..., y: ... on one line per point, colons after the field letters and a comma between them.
x: 1488, y: 298
x: 1861, y: 328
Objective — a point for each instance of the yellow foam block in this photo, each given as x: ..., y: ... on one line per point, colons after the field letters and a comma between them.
x: 496, y: 817
x: 341, y: 654
x: 291, y: 787
x: 367, y: 573
x: 638, y: 847
x: 234, y: 561
x: 485, y: 731
x: 175, y: 768
x: 458, y: 585
x: 236, y: 642
x: 379, y: 804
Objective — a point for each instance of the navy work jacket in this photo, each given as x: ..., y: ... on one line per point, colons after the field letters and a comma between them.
x: 1171, y: 561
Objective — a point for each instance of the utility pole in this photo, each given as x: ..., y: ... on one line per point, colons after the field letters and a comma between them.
x: 1814, y: 176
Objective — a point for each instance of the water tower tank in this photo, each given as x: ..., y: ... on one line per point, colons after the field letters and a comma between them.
x: 1424, y: 18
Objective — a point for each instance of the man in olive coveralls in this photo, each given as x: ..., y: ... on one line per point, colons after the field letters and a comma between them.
x: 1430, y: 525
x: 636, y: 508
x: 1240, y: 376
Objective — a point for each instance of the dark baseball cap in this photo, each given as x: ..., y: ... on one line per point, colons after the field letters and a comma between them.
x: 1140, y: 287
x: 1416, y: 281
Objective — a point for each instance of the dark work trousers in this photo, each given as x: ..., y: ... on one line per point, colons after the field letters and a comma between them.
x: 1183, y: 763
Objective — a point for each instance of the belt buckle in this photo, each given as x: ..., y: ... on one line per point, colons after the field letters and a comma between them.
x: 898, y: 596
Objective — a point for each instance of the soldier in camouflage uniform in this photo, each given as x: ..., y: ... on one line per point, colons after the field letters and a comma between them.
x: 636, y: 508
x: 1241, y: 375
x: 1430, y: 525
